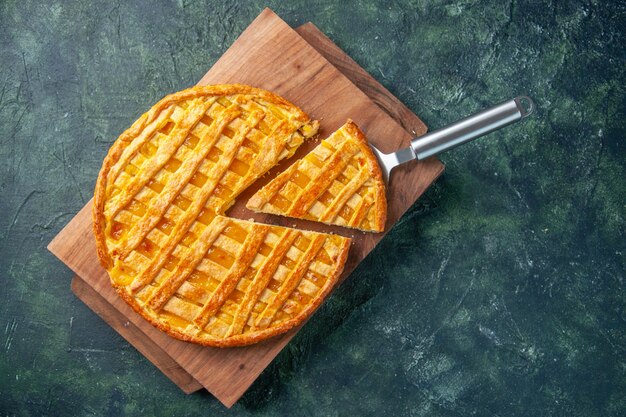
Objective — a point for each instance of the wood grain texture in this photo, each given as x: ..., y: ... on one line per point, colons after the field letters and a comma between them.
x: 271, y: 55
x: 362, y: 79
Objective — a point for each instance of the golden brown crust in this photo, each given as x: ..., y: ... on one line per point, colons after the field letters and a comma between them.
x: 101, y: 183
x: 380, y: 198
x: 154, y: 297
x: 247, y: 339
x: 127, y: 136
x: 286, y: 196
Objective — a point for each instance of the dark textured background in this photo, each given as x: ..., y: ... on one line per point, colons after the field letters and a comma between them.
x: 500, y: 293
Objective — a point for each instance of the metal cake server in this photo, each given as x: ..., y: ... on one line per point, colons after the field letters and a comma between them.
x: 456, y: 134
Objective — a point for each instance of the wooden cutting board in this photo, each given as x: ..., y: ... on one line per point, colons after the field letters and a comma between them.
x: 297, y: 65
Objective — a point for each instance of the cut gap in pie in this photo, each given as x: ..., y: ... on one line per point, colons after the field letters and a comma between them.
x: 339, y: 182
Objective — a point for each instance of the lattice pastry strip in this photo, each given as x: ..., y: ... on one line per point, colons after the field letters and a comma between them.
x: 229, y: 309
x: 339, y: 182
x: 160, y: 230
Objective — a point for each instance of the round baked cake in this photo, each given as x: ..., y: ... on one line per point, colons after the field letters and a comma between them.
x: 162, y: 235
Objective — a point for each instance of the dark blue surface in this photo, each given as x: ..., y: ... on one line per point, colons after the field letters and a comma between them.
x: 500, y: 293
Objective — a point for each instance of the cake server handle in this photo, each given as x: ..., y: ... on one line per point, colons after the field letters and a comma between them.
x: 472, y: 127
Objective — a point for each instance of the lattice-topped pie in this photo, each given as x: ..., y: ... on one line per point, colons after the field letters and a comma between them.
x: 160, y: 230
x: 339, y: 182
